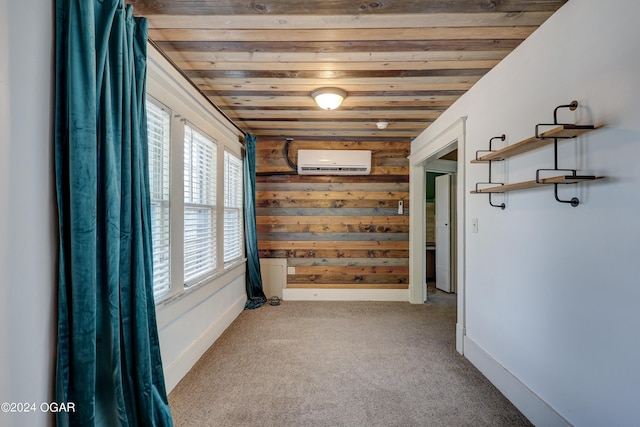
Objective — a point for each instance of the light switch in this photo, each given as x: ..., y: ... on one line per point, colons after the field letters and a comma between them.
x: 400, y: 207
x: 291, y: 270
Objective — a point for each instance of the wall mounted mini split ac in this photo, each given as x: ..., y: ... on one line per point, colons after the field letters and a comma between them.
x: 334, y: 162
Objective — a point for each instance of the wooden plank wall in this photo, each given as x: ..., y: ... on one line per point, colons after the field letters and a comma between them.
x: 337, y: 231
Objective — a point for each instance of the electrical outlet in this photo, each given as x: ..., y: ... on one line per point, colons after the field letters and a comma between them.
x: 291, y: 270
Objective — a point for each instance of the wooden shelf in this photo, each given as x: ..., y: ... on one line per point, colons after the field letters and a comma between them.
x: 563, y: 179
x: 533, y: 143
x: 541, y: 139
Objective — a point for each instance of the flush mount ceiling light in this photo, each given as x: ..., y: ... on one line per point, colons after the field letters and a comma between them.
x: 328, y: 98
x: 382, y: 125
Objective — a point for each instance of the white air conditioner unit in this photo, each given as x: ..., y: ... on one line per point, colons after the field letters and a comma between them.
x: 334, y: 162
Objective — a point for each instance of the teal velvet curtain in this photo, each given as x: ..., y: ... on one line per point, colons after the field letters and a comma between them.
x: 255, y: 294
x: 108, y: 361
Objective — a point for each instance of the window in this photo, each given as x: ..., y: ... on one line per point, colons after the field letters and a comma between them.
x: 159, y: 139
x: 232, y: 208
x: 199, y: 205
x: 195, y: 187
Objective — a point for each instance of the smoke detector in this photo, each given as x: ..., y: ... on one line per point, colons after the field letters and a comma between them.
x: 382, y: 125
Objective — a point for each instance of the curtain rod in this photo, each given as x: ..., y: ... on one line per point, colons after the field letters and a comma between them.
x: 173, y: 64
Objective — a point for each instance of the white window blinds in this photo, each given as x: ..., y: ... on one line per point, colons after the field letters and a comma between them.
x: 199, y: 205
x: 233, y: 235
x: 159, y: 141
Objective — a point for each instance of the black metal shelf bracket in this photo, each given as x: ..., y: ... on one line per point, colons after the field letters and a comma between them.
x: 574, y: 201
x: 573, y: 106
x: 491, y: 150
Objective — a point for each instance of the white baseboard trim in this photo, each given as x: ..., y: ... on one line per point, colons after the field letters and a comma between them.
x: 460, y: 335
x: 530, y: 404
x: 306, y: 294
x: 188, y: 358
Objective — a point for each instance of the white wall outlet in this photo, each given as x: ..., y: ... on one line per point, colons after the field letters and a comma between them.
x: 400, y: 207
x: 474, y: 225
x: 291, y: 270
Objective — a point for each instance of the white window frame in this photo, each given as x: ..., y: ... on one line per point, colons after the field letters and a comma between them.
x: 200, y: 178
x: 233, y: 204
x: 160, y: 200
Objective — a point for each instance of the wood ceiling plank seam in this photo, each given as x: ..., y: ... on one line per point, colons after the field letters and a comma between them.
x: 391, y: 136
x: 406, y: 87
x: 343, y: 34
x: 351, y: 21
x: 348, y: 74
x: 218, y: 82
x: 336, y: 114
x: 428, y: 94
x: 367, y: 124
x: 363, y: 125
x: 391, y: 56
x: 298, y: 47
x: 286, y: 102
x: 354, y: 98
x: 338, y: 66
x: 337, y: 7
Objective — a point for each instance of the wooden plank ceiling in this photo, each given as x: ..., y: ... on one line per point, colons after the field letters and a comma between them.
x: 400, y: 61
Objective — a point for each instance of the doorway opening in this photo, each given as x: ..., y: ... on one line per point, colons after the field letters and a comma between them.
x: 440, y: 225
x: 432, y: 156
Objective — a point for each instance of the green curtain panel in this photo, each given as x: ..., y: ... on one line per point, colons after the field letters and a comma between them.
x: 255, y: 294
x: 108, y: 361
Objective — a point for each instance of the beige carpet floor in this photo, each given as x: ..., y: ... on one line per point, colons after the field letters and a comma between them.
x: 340, y: 364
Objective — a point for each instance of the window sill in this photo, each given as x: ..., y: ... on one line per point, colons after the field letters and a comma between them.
x: 168, y: 299
x: 176, y: 306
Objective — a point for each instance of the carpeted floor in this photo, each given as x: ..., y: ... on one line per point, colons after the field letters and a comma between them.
x: 340, y: 364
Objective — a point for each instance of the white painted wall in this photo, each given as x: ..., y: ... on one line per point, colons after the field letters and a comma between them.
x: 28, y: 228
x: 552, y: 292
x: 190, y: 325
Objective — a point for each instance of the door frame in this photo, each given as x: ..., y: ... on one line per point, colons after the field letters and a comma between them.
x: 420, y: 161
